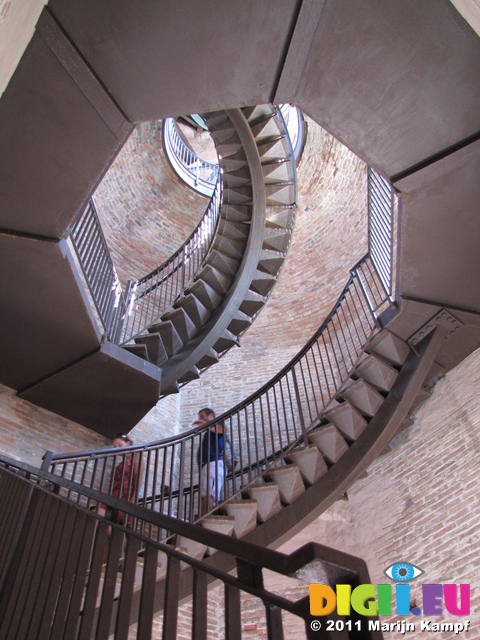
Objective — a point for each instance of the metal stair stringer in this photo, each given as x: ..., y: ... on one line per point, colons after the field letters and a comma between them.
x: 261, y: 263
x: 373, y: 440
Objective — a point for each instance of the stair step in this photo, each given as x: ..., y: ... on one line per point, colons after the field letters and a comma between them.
x: 156, y: 351
x: 262, y: 282
x: 139, y: 350
x: 236, y: 213
x: 329, y: 441
x: 234, y: 230
x: 271, y: 262
x: 184, y: 326
x: 170, y: 389
x: 211, y: 357
x: 310, y: 463
x: 206, y: 294
x: 195, y: 310
x: 377, y: 373
x: 224, y: 264
x: 229, y: 147
x: 230, y: 247
x: 192, y: 548
x: 244, y: 513
x: 226, y: 341
x: 239, y: 323
x: 276, y: 149
x: 239, y: 178
x: 216, y: 121
x: 258, y: 113
x: 232, y: 163
x: 267, y: 496
x: 252, y: 303
x: 278, y: 171
x: 347, y: 420
x: 266, y: 127
x: 192, y: 374
x: 223, y: 131
x: 363, y: 397
x: 280, y: 193
x: 280, y: 217
x: 389, y: 347
x: 276, y: 239
x: 220, y: 524
x: 171, y: 340
x: 238, y: 195
x: 289, y: 481
x: 215, y: 279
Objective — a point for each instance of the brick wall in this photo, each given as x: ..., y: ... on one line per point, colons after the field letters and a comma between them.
x: 145, y: 211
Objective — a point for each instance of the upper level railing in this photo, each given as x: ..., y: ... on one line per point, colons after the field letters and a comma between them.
x: 65, y: 572
x: 202, y: 175
x: 126, y: 315
x: 98, y: 269
x: 149, y: 297
x: 193, y: 170
x: 381, y: 229
x: 261, y: 428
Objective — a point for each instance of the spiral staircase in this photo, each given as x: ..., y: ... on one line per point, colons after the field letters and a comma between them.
x: 75, y: 100
x: 247, y: 254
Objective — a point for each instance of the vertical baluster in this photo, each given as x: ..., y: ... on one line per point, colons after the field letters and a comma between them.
x: 299, y: 407
x: 199, y: 613
x: 233, y: 618
x: 147, y: 597
x: 181, y: 482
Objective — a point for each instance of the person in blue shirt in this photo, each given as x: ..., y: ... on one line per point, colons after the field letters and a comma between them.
x: 211, y: 457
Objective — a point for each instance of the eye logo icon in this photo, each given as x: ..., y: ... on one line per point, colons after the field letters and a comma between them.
x: 403, y: 571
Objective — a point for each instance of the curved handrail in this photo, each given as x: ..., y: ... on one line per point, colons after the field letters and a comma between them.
x: 193, y: 170
x: 261, y: 428
x: 201, y: 175
x: 149, y: 297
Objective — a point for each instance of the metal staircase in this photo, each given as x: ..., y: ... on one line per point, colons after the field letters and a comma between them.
x: 233, y: 282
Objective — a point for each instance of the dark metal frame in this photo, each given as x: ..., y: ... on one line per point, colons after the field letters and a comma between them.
x: 59, y: 567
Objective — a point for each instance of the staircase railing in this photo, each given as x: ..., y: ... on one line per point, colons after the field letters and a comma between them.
x: 202, y: 175
x: 125, y: 315
x: 60, y: 561
x: 271, y: 421
x: 381, y: 228
x: 262, y: 427
x: 98, y: 269
x: 193, y: 170
x: 149, y: 297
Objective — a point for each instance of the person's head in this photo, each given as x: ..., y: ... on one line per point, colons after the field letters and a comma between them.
x: 121, y: 440
x: 206, y: 414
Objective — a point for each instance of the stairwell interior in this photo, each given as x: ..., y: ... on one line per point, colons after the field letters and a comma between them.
x: 432, y: 293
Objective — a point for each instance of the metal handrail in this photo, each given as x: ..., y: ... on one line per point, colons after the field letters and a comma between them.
x: 98, y: 269
x: 381, y: 201
x: 261, y: 428
x: 193, y: 170
x: 149, y: 297
x: 60, y: 588
x: 202, y: 175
